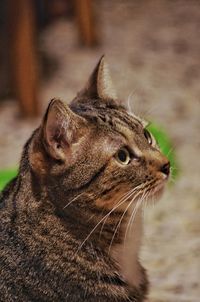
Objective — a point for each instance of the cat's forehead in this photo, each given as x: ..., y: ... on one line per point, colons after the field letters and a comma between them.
x: 125, y: 124
x: 115, y: 116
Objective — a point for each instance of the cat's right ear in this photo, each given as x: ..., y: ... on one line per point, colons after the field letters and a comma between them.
x: 61, y: 128
x: 100, y: 84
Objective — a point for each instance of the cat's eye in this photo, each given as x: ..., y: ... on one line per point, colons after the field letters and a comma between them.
x: 148, y: 136
x: 123, y: 156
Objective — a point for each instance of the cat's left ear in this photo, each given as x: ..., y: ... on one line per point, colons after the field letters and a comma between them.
x: 100, y: 84
x: 61, y: 128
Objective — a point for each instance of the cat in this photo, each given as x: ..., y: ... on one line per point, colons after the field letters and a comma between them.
x: 71, y: 222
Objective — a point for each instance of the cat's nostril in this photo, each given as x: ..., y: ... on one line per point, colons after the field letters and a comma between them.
x: 165, y: 168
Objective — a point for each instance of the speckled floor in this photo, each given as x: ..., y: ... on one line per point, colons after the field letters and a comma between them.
x: 153, y: 49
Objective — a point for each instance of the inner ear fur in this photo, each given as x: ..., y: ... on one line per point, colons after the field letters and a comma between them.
x: 61, y: 129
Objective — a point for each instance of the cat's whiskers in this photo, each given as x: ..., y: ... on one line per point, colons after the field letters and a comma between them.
x: 174, y: 169
x: 72, y: 200
x: 119, y: 223
x: 132, y: 218
x: 152, y: 110
x: 151, y: 196
x: 128, y: 102
x: 169, y: 152
x: 144, y: 206
x: 139, y: 187
x: 137, y: 206
x: 172, y: 174
x: 133, y: 214
x: 152, y: 199
x: 117, y: 205
x: 172, y: 179
x: 125, y: 197
x: 117, y: 227
x: 120, y: 203
x: 130, y: 193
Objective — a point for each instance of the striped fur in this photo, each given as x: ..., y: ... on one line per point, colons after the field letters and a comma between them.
x: 65, y: 218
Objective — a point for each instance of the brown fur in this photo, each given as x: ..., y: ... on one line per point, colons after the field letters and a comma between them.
x: 55, y: 244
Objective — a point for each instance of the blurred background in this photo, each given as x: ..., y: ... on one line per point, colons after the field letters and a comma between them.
x: 48, y: 49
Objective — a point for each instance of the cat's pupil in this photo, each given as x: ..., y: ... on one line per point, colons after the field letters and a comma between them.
x: 122, y: 155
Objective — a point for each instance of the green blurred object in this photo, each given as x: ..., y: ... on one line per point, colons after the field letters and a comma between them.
x: 166, y: 146
x: 6, y: 176
x: 160, y: 135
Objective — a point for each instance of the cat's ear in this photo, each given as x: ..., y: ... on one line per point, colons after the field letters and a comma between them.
x: 100, y: 83
x: 61, y: 129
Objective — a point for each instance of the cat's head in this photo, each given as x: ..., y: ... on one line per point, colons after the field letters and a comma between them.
x: 95, y: 147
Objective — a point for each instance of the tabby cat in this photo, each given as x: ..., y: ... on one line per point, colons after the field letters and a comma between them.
x: 71, y: 221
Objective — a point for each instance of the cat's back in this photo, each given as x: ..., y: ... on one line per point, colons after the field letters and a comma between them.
x: 31, y: 250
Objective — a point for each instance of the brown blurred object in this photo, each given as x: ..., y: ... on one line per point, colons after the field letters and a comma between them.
x: 23, y: 52
x: 24, y: 63
x: 85, y: 18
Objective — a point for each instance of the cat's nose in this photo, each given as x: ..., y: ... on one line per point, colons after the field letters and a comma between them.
x: 165, y: 168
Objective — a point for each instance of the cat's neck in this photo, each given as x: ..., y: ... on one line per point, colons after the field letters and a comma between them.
x: 126, y: 253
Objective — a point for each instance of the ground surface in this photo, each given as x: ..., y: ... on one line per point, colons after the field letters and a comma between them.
x: 153, y: 48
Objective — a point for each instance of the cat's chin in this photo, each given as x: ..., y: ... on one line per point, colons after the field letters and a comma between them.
x: 156, y: 193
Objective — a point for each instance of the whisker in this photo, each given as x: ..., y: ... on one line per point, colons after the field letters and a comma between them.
x: 151, y: 111
x: 128, y: 101
x: 119, y: 223
x: 174, y: 168
x: 123, y: 200
x: 134, y: 211
x: 133, y: 199
x: 172, y: 179
x: 142, y: 199
x: 118, y: 204
x: 170, y: 151
x: 72, y: 201
x: 144, y: 206
x: 125, y: 197
x: 152, y: 198
x: 133, y: 214
x: 100, y: 223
